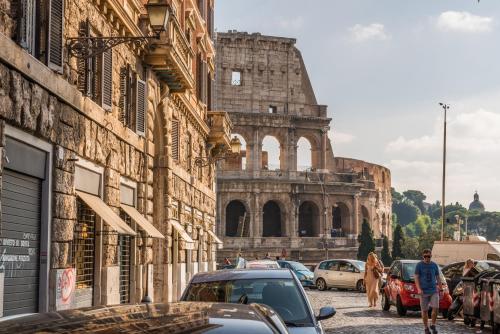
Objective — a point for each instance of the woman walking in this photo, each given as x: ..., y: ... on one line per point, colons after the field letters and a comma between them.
x: 373, y: 273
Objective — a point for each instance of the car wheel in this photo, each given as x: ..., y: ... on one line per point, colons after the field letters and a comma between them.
x: 321, y: 284
x: 400, y: 308
x: 466, y: 321
x: 385, y: 302
x: 360, y: 286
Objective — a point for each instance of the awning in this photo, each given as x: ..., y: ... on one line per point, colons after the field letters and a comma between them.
x: 109, y: 216
x: 188, y: 242
x: 143, y: 223
x: 216, y: 239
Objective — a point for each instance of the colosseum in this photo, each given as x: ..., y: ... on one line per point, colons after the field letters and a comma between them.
x: 286, y: 206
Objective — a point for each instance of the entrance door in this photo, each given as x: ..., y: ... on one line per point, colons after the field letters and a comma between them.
x: 20, y: 242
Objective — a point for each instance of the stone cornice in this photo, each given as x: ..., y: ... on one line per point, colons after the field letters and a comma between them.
x: 183, y: 105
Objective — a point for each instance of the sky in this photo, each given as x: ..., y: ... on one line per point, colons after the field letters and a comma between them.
x: 382, y: 67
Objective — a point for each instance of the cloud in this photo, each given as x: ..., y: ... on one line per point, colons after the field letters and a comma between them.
x: 294, y: 23
x: 464, y: 22
x: 341, y: 137
x: 374, y: 31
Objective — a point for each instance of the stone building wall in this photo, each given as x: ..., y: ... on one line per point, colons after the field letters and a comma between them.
x: 44, y: 107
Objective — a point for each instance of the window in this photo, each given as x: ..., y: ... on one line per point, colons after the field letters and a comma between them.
x: 83, y: 246
x: 175, y: 140
x: 189, y: 152
x: 200, y: 168
x: 132, y: 102
x: 333, y: 265
x: 273, y: 109
x: 201, y: 79
x: 236, y: 78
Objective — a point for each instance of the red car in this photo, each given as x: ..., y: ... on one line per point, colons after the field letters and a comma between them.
x: 400, y: 289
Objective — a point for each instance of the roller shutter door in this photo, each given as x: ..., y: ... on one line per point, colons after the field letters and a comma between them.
x: 20, y: 242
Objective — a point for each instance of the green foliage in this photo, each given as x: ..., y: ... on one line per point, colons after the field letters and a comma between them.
x: 417, y: 197
x: 406, y: 211
x: 411, y: 249
x: 397, y: 242
x: 396, y: 197
x: 366, y: 241
x: 386, y: 256
x: 426, y: 240
x: 486, y: 224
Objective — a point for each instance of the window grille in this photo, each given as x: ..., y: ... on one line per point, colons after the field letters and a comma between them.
x: 83, y: 246
x: 236, y: 78
x: 124, y: 255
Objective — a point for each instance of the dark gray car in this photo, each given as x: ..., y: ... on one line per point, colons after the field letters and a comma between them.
x: 278, y: 288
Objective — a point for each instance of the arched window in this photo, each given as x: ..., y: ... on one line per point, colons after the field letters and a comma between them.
x: 341, y: 220
x: 304, y: 154
x: 236, y: 219
x: 238, y: 162
x: 271, y: 220
x: 271, y: 153
x: 308, y: 220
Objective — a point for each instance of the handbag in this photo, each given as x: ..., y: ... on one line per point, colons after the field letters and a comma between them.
x: 376, y: 273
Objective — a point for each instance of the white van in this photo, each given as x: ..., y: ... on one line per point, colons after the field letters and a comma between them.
x: 477, y: 248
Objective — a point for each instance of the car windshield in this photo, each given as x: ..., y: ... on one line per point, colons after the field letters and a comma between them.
x: 359, y: 264
x: 283, y: 295
x: 409, y: 273
x: 298, y: 266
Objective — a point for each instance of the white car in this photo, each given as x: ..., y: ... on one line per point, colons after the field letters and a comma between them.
x: 262, y: 264
x: 343, y: 273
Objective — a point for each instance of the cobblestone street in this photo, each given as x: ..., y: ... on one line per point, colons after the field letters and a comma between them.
x: 353, y: 317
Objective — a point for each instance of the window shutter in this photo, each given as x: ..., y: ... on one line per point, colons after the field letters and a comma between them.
x: 140, y: 107
x: 55, y: 35
x: 175, y: 140
x: 124, y: 102
x: 26, y: 25
x: 204, y: 75
x: 107, y: 80
x: 84, y: 66
x: 199, y: 77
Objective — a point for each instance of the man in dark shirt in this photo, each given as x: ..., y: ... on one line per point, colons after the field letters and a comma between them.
x: 427, y: 280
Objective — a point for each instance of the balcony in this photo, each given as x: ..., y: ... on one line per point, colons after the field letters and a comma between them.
x: 171, y: 58
x: 220, y: 129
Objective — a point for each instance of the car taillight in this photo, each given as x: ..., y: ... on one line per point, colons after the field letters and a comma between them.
x: 409, y: 287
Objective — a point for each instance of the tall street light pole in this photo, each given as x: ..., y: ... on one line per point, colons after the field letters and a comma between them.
x: 443, y: 198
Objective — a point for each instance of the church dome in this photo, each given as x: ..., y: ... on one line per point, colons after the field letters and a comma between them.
x: 476, y: 204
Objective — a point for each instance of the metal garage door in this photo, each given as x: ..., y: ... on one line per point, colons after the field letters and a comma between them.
x: 20, y: 242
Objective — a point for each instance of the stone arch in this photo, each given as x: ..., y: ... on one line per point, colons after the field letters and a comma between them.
x: 341, y: 220
x: 241, y: 161
x: 314, y: 139
x: 384, y: 229
x: 271, y: 153
x: 308, y: 219
x: 236, y: 219
x: 304, y: 154
x: 365, y: 215
x: 272, y: 220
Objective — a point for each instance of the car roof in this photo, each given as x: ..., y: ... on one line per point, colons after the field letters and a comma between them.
x: 239, y: 274
x: 348, y: 260
x: 197, y: 317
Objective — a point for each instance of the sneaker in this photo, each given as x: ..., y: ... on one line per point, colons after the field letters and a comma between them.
x: 433, y: 329
x: 427, y: 331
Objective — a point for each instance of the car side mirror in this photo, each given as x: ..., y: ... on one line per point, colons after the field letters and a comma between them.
x: 326, y: 313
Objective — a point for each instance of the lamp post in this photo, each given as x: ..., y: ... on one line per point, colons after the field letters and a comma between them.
x: 443, y: 191
x: 457, y: 218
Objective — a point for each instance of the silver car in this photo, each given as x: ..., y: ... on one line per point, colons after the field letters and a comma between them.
x: 278, y: 288
x: 342, y: 273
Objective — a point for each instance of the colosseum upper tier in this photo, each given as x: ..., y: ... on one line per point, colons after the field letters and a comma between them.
x: 262, y: 82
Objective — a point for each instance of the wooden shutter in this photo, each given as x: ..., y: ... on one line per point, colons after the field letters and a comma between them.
x: 124, y: 102
x: 55, y: 35
x: 175, y: 140
x: 204, y: 74
x: 84, y: 66
x: 107, y: 80
x: 140, y: 107
x: 26, y: 25
x: 199, y: 77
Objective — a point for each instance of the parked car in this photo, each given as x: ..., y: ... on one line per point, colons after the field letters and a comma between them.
x: 280, y: 289
x: 305, y: 276
x: 262, y: 264
x: 401, y: 291
x: 453, y: 272
x: 346, y: 274
x: 202, y: 318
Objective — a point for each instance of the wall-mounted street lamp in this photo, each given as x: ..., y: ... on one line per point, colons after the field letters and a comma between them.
x: 88, y: 47
x: 219, y: 153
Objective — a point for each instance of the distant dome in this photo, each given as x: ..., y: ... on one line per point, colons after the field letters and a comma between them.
x: 476, y: 204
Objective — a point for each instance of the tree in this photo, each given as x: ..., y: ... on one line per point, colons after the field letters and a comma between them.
x: 411, y: 249
x: 386, y: 256
x: 417, y: 197
x: 396, y: 197
x: 426, y: 240
x: 406, y: 211
x: 366, y: 241
x: 397, y: 243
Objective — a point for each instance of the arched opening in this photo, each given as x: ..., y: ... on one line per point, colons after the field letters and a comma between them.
x: 271, y: 155
x: 365, y: 215
x: 304, y: 154
x: 238, y: 162
x: 271, y: 220
x: 308, y: 219
x: 236, y: 219
x: 383, y: 229
x: 341, y: 220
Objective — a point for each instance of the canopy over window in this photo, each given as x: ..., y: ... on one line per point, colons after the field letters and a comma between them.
x: 143, y: 223
x: 188, y: 242
x: 106, y: 213
x: 215, y: 239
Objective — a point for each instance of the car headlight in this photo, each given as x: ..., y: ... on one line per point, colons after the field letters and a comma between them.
x: 409, y: 287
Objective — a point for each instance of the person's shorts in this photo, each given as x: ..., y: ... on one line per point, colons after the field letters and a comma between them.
x: 431, y: 300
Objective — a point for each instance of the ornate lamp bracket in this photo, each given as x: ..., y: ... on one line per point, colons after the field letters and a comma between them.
x: 88, y: 47
x: 214, y: 155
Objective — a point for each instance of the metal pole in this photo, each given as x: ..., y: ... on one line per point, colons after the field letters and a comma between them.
x: 466, y: 231
x: 443, y: 198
